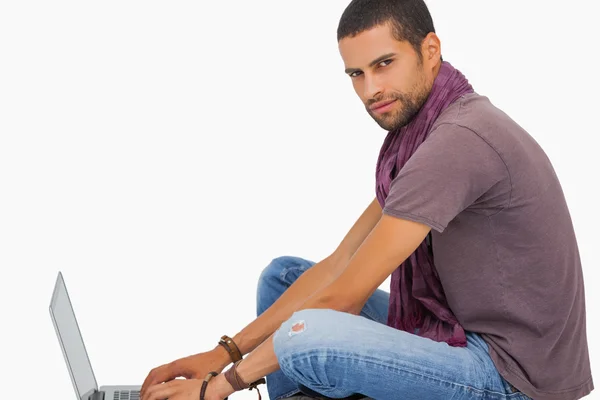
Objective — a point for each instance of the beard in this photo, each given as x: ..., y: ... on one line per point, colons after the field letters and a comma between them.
x: 408, y: 105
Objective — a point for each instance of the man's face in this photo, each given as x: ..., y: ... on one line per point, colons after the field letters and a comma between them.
x: 388, y: 75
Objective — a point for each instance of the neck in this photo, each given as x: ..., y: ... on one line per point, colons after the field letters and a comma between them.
x: 436, y: 70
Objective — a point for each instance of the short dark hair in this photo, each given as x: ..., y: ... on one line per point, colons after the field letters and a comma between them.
x: 410, y: 20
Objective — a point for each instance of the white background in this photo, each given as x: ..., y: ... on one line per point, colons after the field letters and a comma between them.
x: 153, y: 150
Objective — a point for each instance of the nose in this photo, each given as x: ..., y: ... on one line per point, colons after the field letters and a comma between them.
x: 372, y: 87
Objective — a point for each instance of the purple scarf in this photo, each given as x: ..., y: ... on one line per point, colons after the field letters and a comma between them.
x: 417, y: 299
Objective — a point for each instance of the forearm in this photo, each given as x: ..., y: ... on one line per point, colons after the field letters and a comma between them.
x: 375, y: 260
x: 263, y: 361
x: 309, y: 283
x: 260, y: 363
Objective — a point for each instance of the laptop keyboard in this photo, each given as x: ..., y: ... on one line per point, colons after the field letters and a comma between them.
x: 127, y: 395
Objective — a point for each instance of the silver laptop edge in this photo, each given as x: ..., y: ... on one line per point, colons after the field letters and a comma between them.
x: 57, y: 286
x: 81, y: 373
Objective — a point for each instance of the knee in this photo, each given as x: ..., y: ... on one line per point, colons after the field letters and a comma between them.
x: 276, y: 277
x: 274, y: 269
x: 278, y: 269
x: 303, y: 346
x: 305, y: 333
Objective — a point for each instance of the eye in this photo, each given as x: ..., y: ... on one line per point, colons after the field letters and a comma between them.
x: 383, y: 63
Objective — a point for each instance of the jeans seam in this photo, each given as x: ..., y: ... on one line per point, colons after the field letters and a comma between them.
x: 288, y: 394
x: 400, y: 369
x: 369, y: 315
x: 286, y: 270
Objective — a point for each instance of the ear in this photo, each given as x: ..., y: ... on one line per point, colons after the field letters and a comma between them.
x: 431, y: 49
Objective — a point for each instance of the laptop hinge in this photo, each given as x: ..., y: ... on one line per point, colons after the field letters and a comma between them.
x: 97, y: 395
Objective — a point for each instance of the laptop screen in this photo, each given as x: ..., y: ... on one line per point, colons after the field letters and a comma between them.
x: 71, y: 341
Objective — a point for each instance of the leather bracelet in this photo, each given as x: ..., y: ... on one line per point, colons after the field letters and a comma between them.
x: 231, y: 347
x: 237, y: 383
x: 205, y: 384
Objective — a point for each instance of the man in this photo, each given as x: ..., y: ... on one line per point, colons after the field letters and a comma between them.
x: 487, y: 296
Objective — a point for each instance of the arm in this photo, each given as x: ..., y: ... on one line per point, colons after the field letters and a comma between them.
x: 161, y: 382
x: 391, y: 242
x: 310, y: 282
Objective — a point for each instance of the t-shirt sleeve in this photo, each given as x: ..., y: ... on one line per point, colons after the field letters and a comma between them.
x: 447, y: 173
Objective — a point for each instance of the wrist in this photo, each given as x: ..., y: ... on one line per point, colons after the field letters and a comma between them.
x: 221, y: 389
x: 222, y: 355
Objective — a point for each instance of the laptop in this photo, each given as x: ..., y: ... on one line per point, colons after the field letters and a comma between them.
x: 76, y: 357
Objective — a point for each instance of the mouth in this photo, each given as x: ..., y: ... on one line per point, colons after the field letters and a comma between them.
x: 382, y: 106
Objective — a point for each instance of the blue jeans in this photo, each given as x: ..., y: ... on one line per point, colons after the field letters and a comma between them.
x: 337, y: 354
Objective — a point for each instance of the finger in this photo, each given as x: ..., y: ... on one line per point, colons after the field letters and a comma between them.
x: 157, y: 375
x: 153, y: 378
x: 162, y: 391
x: 148, y: 381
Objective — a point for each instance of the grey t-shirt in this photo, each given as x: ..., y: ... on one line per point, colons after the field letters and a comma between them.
x: 503, y: 244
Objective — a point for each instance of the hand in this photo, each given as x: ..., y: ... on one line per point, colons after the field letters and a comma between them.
x: 192, y: 367
x: 189, y: 389
x: 178, y: 389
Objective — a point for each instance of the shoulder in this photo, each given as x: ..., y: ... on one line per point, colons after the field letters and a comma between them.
x: 470, y: 110
x: 464, y: 125
x: 476, y: 114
